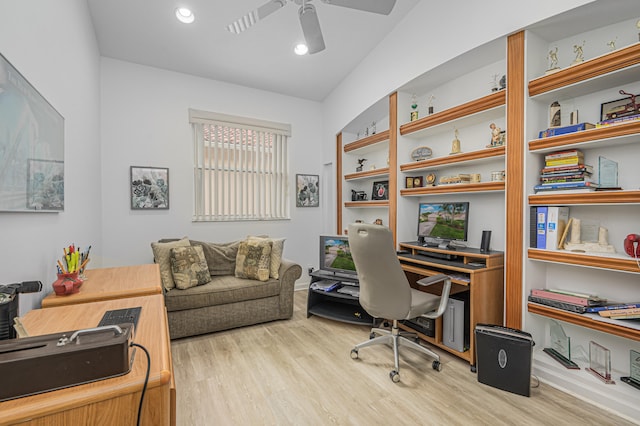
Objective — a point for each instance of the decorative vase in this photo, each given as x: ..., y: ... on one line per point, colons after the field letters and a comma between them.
x: 67, y: 283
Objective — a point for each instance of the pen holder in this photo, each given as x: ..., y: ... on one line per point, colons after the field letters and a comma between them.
x: 67, y: 283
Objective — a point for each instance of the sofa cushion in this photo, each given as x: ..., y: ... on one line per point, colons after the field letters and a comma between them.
x: 221, y: 257
x: 189, y: 267
x: 220, y: 290
x: 162, y: 256
x: 277, y: 248
x: 253, y: 260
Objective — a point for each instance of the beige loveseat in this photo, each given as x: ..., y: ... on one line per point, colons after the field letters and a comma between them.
x: 227, y: 300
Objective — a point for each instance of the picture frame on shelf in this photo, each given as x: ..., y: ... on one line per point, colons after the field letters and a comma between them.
x: 380, y: 190
x: 417, y: 182
x: 307, y: 190
x: 620, y: 107
x: 149, y: 188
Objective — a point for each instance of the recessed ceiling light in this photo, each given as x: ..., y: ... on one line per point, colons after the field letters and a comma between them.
x: 185, y: 15
x: 301, y: 49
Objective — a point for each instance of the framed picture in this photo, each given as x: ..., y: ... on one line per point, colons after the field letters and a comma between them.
x: 45, y: 185
x: 619, y: 108
x: 380, y: 190
x: 149, y: 188
x: 408, y: 182
x: 417, y: 182
x: 31, y: 147
x: 307, y: 190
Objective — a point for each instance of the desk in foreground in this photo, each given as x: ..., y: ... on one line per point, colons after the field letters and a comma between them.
x: 112, y: 283
x: 111, y: 401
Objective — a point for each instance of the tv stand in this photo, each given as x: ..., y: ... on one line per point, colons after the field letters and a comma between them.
x: 334, y: 305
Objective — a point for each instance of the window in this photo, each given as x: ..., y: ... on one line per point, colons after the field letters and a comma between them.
x: 241, y: 168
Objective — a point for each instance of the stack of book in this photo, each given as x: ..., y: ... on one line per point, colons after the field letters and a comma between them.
x: 566, y: 300
x: 566, y: 170
x: 618, y: 120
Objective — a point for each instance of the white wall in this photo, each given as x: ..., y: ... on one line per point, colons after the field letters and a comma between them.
x: 53, y: 46
x: 144, y: 122
x: 431, y: 34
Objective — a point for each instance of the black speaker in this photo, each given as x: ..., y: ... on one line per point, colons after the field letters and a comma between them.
x: 486, y: 241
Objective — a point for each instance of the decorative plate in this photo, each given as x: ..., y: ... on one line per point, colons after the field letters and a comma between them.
x: 431, y: 179
x: 421, y: 153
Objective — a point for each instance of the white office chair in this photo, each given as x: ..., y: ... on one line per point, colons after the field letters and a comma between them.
x: 385, y: 291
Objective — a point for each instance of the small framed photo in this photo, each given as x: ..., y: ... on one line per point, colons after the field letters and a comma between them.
x: 408, y: 182
x: 380, y: 190
x: 417, y: 182
x: 307, y: 190
x: 619, y: 108
x: 149, y: 187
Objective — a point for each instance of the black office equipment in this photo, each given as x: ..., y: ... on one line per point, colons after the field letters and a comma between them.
x: 504, y: 358
x: 9, y: 295
x: 39, y: 364
x: 121, y: 316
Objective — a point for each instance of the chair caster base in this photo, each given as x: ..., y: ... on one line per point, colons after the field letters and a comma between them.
x: 395, y: 376
x: 354, y: 354
x: 437, y: 366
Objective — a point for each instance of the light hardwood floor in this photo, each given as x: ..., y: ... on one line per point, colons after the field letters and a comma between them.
x: 299, y: 372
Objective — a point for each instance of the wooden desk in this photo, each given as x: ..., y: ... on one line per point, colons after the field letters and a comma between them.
x: 482, y: 274
x: 111, y: 401
x: 112, y: 283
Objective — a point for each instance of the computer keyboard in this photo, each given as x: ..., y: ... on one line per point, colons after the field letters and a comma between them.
x: 121, y: 316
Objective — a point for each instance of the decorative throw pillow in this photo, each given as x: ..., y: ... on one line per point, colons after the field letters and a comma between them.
x: 277, y: 247
x: 253, y: 260
x: 162, y: 256
x: 189, y: 267
x: 221, y: 257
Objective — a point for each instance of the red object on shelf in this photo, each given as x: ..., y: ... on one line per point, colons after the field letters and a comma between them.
x: 629, y: 243
x: 68, y: 283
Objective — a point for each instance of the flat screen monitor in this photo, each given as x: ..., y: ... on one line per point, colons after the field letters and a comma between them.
x: 441, y: 223
x: 335, y: 256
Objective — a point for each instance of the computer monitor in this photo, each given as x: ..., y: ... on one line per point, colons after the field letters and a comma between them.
x: 335, y: 256
x: 441, y: 223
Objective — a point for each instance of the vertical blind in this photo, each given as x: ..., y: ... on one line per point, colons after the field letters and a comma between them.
x: 241, y: 168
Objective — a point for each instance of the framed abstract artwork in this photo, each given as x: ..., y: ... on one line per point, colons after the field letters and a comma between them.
x: 307, y: 190
x: 149, y: 188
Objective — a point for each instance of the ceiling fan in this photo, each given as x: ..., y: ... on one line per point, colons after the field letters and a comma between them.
x: 308, y: 16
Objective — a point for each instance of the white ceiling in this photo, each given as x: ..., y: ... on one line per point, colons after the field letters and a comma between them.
x: 146, y: 32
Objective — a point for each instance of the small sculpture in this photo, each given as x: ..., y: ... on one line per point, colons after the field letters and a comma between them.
x: 553, y: 61
x: 554, y: 114
x: 575, y: 243
x: 578, y: 50
x: 612, y: 44
x: 455, y: 144
x: 497, y: 136
x: 360, y: 164
x: 430, y: 104
x: 414, y: 108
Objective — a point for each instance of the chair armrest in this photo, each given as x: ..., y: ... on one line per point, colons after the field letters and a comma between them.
x: 444, y: 298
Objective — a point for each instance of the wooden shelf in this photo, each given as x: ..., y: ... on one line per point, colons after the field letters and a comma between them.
x: 619, y: 61
x: 595, y: 197
x: 456, y: 159
x: 384, y: 172
x: 367, y: 141
x: 584, y: 321
x: 626, y: 133
x: 615, y: 262
x: 485, y: 103
x: 453, y: 188
x: 366, y: 204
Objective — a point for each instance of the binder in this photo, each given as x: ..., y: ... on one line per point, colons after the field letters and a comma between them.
x: 557, y: 218
x: 541, y: 227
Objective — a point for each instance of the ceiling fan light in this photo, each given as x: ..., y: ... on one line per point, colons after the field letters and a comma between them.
x: 301, y: 49
x: 185, y: 15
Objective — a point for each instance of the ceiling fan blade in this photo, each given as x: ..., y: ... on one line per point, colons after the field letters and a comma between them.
x: 382, y: 7
x: 254, y: 16
x: 311, y: 28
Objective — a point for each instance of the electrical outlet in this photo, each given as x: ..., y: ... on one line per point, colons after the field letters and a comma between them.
x: 309, y: 269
